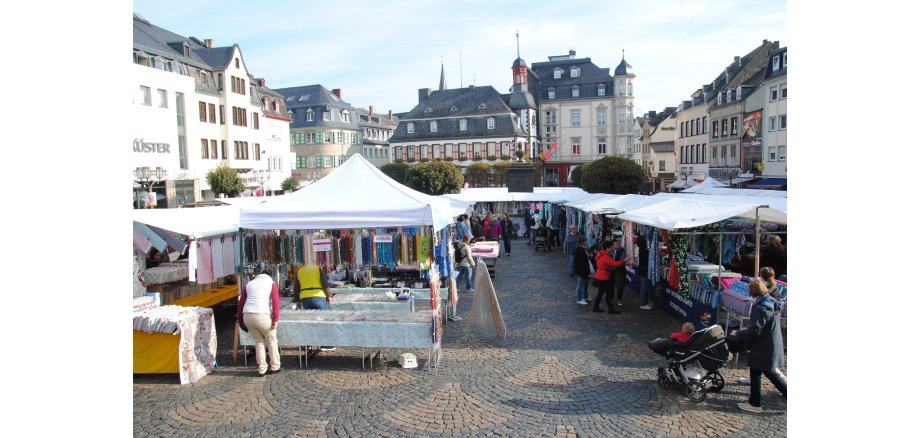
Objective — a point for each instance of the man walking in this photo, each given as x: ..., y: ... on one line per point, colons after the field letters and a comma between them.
x: 571, y: 242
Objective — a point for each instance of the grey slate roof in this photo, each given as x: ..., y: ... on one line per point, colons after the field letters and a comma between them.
x: 769, y: 73
x: 319, y: 98
x: 519, y: 62
x: 588, y: 78
x: 217, y: 58
x: 466, y: 102
x: 662, y: 146
x: 518, y: 100
x: 623, y: 69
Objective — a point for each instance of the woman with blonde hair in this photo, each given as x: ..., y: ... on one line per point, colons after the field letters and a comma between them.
x: 766, y: 344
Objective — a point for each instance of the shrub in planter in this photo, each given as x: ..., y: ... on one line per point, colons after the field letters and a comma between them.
x: 506, y: 157
x: 491, y: 157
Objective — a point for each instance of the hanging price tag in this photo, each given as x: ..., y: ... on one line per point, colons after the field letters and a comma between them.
x: 321, y: 245
x: 387, y: 238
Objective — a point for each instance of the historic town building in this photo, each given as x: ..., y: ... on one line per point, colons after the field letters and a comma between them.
x: 197, y: 107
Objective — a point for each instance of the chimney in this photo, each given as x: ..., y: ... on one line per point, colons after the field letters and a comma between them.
x: 423, y: 94
x: 651, y: 115
x: 371, y: 110
x: 390, y: 115
x: 209, y: 43
x: 738, y: 59
x: 337, y: 92
x: 260, y: 82
x: 572, y: 53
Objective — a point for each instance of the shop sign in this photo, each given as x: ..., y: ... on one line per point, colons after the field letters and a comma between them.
x: 147, y: 147
x: 383, y: 239
x: 321, y: 245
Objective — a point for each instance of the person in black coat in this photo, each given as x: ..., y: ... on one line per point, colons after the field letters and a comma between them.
x: 644, y: 302
x: 773, y: 254
x: 507, y: 233
x: 582, y: 270
x: 766, y: 344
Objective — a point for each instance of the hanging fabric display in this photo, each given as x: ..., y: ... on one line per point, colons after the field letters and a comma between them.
x: 679, y: 249
x: 205, y: 272
x: 217, y: 257
x: 654, y: 260
x: 628, y: 240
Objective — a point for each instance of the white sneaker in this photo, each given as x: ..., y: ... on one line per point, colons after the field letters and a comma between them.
x: 745, y: 380
x: 582, y: 302
x: 646, y: 307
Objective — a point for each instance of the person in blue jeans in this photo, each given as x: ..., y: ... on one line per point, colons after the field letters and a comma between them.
x: 465, y: 264
x: 582, y: 269
x: 571, y: 242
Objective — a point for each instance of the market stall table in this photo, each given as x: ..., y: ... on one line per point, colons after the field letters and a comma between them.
x: 365, y: 301
x: 175, y: 339
x: 488, y: 251
x: 371, y: 329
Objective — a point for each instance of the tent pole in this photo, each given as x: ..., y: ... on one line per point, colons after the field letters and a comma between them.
x: 757, y: 239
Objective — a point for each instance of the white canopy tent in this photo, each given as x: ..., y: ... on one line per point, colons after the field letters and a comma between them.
x: 709, y: 182
x: 681, y: 183
x: 626, y: 203
x: 735, y: 192
x: 245, y: 201
x: 675, y: 213
x: 589, y: 203
x: 501, y: 194
x: 356, y: 195
x: 775, y: 213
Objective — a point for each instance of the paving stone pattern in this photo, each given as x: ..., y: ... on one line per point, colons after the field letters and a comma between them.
x: 562, y: 371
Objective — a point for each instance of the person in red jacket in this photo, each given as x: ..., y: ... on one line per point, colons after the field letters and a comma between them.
x: 603, y: 277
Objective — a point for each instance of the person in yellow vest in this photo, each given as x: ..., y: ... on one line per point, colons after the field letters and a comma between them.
x: 314, y: 290
x: 313, y: 287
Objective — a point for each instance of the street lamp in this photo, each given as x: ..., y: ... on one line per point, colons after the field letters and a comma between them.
x: 147, y: 178
x: 648, y: 174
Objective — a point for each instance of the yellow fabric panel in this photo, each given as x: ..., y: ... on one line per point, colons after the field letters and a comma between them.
x: 156, y: 353
x: 209, y: 297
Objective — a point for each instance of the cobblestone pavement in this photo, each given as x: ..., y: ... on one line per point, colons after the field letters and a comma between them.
x: 563, y: 371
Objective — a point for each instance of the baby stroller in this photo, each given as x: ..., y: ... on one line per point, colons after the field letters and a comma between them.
x: 704, y: 351
x: 541, y: 239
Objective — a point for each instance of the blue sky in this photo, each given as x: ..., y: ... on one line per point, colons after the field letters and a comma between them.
x: 380, y: 53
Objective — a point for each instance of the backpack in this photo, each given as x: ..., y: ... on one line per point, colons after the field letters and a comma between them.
x: 532, y: 222
x: 458, y: 254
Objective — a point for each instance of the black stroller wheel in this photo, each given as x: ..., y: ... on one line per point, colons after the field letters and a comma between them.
x: 716, y: 382
x: 663, y: 380
x: 696, y: 391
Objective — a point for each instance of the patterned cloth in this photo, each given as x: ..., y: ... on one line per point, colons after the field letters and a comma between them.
x: 198, y: 336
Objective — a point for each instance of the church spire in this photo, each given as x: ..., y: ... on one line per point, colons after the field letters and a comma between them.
x: 518, y: 36
x: 443, y: 85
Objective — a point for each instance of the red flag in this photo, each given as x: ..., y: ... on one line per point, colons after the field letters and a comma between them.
x: 549, y: 151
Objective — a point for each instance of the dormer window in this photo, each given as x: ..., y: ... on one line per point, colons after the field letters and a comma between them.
x: 557, y: 73
x: 203, y: 77
x: 428, y: 110
x: 776, y: 63
x: 601, y: 90
x: 327, y: 116
x: 463, y: 124
x: 576, y: 91
x: 433, y: 126
x: 482, y: 106
x: 719, y: 99
x: 410, y: 128
x: 346, y: 116
x: 453, y: 108
x: 784, y: 59
x: 309, y: 115
x: 185, y: 50
x: 573, y: 72
x: 275, y: 104
x: 490, y: 123
x: 551, y: 93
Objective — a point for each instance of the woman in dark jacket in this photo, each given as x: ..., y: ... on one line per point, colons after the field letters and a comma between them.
x: 582, y: 271
x: 774, y: 255
x: 766, y: 344
x: 507, y: 233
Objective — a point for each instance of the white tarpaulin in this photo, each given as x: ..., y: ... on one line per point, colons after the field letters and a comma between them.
x: 775, y: 213
x: 196, y: 222
x: 675, y: 213
x: 356, y: 195
x: 709, y: 182
x: 501, y: 194
x: 626, y: 203
x: 736, y: 192
x: 588, y: 202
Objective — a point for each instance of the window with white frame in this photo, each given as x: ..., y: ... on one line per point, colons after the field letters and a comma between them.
x: 734, y: 126
x: 621, y: 115
x: 782, y: 122
x: 573, y: 72
x: 433, y: 126
x: 576, y: 91
x: 715, y: 129
x: 309, y: 114
x: 327, y: 116
x: 161, y: 94
x: 410, y: 128
x: 551, y: 117
x: 576, y: 145
x: 776, y: 63
x: 602, y: 145
x: 784, y: 59
x: 661, y: 166
x: 346, y: 116
x: 621, y: 89
x: 557, y: 73
x: 774, y: 93
x: 551, y: 93
x: 601, y: 90
x: 576, y: 118
x: 601, y: 117
x: 463, y: 124
x: 782, y: 91
x: 771, y: 153
x: 781, y: 153
x: 327, y: 137
x: 490, y: 123
x: 773, y: 123
x: 144, y: 95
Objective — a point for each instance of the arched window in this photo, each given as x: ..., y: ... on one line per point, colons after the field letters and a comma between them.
x: 629, y: 88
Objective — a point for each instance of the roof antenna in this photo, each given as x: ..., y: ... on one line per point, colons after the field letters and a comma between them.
x: 624, y: 54
x: 518, y: 36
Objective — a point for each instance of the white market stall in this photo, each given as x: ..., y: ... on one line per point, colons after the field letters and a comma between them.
x: 357, y: 207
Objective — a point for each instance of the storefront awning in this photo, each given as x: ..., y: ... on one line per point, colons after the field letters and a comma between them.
x: 769, y: 183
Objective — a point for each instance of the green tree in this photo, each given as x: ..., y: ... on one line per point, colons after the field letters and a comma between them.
x: 223, y: 179
x: 434, y: 178
x: 537, y: 172
x: 577, y: 173
x: 500, y: 173
x: 615, y: 175
x: 397, y: 171
x: 477, y: 174
x: 290, y: 184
